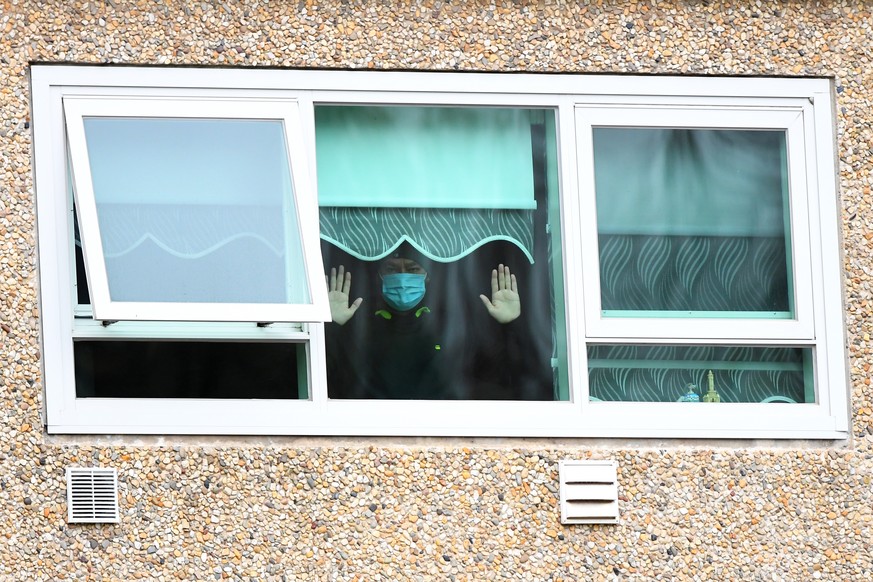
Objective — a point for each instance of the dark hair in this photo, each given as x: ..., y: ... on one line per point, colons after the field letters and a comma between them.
x: 407, y: 251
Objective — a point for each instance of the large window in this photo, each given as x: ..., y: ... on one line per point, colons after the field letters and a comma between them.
x: 312, y: 252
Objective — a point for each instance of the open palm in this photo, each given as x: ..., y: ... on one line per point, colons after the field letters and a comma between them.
x: 339, y: 286
x: 504, y: 305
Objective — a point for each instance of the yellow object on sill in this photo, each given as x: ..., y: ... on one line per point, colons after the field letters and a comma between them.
x: 711, y: 395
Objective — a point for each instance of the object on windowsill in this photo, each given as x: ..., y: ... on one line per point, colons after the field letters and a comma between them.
x: 711, y: 395
x: 690, y: 394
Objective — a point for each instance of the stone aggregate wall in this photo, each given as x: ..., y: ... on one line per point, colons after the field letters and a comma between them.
x: 440, y: 509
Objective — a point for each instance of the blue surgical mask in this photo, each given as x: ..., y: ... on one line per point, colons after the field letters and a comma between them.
x: 403, y: 291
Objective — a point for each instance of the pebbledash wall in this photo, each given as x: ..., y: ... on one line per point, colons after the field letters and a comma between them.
x: 201, y: 508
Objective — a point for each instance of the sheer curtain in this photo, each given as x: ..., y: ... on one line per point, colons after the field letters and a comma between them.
x: 692, y: 220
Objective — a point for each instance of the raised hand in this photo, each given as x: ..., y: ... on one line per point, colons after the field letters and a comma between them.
x: 504, y: 305
x: 339, y: 284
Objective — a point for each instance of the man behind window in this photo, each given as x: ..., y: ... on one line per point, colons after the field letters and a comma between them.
x: 402, y: 347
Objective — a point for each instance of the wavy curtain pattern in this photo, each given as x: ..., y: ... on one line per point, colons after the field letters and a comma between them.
x: 692, y: 220
x: 204, y: 249
x: 662, y: 373
x: 188, y: 232
x: 441, y: 234
x: 693, y: 273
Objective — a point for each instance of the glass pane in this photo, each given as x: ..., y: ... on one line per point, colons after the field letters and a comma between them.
x: 700, y: 373
x: 693, y: 222
x: 421, y: 329
x: 196, y: 210
x: 81, y: 283
x: 166, y: 369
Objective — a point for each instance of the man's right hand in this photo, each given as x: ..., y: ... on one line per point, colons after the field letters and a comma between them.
x: 339, y: 284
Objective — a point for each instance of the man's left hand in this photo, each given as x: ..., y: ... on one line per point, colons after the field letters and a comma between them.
x: 505, y: 304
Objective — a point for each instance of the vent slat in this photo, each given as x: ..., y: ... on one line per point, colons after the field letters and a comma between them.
x: 592, y: 509
x: 589, y: 474
x: 92, y: 495
x: 590, y: 492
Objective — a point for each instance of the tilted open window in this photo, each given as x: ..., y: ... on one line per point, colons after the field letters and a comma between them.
x: 672, y: 242
x: 194, y: 210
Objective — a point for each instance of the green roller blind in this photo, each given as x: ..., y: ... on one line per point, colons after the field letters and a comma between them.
x: 424, y: 157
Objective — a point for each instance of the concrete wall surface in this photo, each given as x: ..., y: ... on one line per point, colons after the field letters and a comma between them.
x: 433, y: 509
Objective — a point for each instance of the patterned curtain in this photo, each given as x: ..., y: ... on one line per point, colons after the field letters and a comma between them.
x: 693, y: 273
x: 443, y: 235
x: 662, y: 373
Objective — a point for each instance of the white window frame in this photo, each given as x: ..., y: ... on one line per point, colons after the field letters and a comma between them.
x: 819, y: 325
x: 77, y: 108
x: 785, y: 115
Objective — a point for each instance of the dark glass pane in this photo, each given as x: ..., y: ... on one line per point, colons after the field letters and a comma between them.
x: 645, y: 373
x: 82, y: 295
x: 81, y: 283
x: 173, y: 369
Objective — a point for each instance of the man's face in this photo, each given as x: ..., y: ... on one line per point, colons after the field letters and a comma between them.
x: 393, y: 266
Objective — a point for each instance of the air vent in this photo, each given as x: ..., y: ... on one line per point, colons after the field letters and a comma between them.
x: 92, y: 495
x: 589, y: 492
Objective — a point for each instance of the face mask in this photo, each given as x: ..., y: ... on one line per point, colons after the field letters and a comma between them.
x: 403, y: 291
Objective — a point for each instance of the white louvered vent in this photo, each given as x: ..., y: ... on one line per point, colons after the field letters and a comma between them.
x: 92, y: 495
x: 589, y: 492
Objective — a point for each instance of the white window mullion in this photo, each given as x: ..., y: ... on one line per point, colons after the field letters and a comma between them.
x: 317, y: 365
x: 307, y: 135
x: 317, y: 361
x: 833, y: 375
x: 575, y: 255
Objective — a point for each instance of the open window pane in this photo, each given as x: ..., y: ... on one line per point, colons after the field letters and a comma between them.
x: 195, y: 210
x: 191, y: 214
x: 693, y: 222
x: 463, y: 173
x: 701, y: 373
